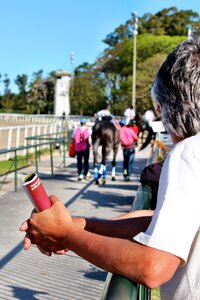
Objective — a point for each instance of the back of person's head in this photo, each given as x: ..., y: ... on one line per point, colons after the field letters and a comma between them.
x: 122, y: 122
x: 177, y: 88
x: 83, y: 121
x: 106, y: 106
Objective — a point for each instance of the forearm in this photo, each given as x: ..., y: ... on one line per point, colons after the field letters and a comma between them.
x: 135, y: 214
x: 139, y: 263
x: 54, y: 230
x: 123, y: 228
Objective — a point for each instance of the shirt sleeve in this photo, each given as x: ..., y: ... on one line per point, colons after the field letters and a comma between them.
x: 176, y: 219
x: 126, y: 113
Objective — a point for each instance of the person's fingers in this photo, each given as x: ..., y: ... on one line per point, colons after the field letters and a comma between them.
x: 24, y: 226
x: 44, y: 251
x: 31, y: 237
x: 59, y: 252
x: 54, y: 199
x: 27, y: 242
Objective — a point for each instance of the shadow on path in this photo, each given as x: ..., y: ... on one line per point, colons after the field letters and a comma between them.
x: 23, y: 293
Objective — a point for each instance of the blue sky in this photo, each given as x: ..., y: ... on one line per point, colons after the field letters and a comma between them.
x: 41, y: 34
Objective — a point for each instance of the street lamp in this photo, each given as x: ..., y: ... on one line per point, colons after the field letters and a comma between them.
x: 72, y: 58
x: 135, y: 32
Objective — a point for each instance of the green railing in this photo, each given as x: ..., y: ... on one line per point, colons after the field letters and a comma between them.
x: 56, y: 138
x: 117, y: 287
x: 50, y: 142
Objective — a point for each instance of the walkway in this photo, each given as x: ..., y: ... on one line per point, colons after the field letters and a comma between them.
x: 29, y: 274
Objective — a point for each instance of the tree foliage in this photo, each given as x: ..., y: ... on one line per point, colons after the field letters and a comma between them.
x: 158, y: 35
x: 87, y: 90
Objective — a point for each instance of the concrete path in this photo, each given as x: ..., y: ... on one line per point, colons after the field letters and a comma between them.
x: 29, y: 274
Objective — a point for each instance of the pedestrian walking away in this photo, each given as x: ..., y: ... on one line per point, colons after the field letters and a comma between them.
x: 81, y: 137
x: 127, y: 141
x: 129, y: 114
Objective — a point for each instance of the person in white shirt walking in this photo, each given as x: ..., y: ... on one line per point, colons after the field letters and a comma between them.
x: 129, y: 114
x: 149, y: 116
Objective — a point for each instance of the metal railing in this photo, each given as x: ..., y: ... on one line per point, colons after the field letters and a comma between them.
x: 51, y: 141
x: 117, y: 287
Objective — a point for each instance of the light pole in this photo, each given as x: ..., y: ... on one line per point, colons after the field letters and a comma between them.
x: 135, y: 32
x: 72, y: 58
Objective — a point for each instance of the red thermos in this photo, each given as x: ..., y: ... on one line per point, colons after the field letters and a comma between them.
x: 37, y: 194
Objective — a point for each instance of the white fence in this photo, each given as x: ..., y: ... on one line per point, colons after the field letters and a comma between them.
x: 14, y: 135
x: 66, y: 121
x: 29, y: 119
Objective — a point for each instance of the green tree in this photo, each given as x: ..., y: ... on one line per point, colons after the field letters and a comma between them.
x: 169, y: 21
x: 87, y: 92
x: 21, y: 99
x: 8, y: 98
x: 8, y: 102
x: 37, y: 100
x: 116, y: 63
x: 6, y: 82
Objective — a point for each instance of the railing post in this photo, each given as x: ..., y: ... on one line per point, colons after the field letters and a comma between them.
x: 15, y: 166
x: 51, y: 157
x: 9, y: 141
x: 36, y: 160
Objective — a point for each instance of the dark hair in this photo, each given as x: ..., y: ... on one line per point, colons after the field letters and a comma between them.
x: 177, y: 88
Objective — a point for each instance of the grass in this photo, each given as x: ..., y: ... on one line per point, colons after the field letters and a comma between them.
x: 7, y: 166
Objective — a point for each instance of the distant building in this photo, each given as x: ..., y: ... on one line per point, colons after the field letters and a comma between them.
x: 62, y: 86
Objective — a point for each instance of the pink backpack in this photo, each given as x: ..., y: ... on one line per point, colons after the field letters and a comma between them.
x: 81, y: 139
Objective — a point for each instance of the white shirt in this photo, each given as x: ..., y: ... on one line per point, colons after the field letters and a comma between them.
x: 149, y: 116
x: 129, y: 114
x: 175, y: 224
x: 103, y: 113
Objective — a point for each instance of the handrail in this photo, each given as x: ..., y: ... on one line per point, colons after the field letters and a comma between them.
x: 36, y: 146
x: 118, y: 287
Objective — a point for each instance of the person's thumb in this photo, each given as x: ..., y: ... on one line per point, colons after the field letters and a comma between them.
x: 54, y: 199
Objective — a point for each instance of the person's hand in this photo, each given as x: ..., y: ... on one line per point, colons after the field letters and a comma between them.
x: 48, y: 229
x: 45, y: 244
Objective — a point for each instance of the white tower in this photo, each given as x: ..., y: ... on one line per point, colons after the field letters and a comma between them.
x: 61, y: 100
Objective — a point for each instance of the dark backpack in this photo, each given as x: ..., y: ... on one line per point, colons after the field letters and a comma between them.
x: 150, y: 175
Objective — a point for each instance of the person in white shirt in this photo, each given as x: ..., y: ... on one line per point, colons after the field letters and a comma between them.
x: 129, y: 114
x: 158, y: 248
x: 149, y: 116
x: 104, y: 114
